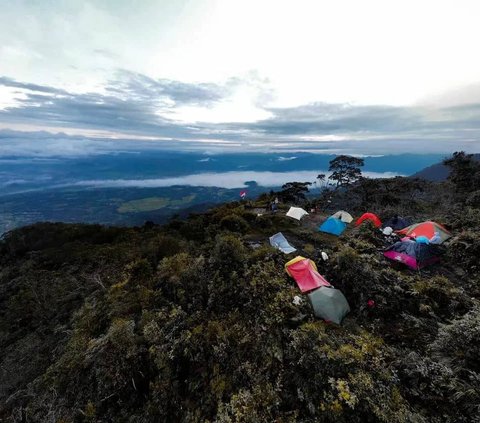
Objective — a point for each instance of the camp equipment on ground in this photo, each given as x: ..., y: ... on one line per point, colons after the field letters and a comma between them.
x: 343, y: 216
x: 329, y: 304
x: 387, y: 231
x: 296, y: 213
x: 333, y: 226
x: 305, y: 273
x: 422, y: 239
x: 280, y: 242
x: 413, y: 254
x: 397, y: 223
x: 369, y: 217
x: 426, y: 229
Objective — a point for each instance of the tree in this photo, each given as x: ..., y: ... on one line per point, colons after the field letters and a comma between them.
x: 294, y: 191
x: 464, y: 172
x: 345, y: 170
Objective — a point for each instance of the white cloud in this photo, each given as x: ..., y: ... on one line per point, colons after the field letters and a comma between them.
x: 223, y: 180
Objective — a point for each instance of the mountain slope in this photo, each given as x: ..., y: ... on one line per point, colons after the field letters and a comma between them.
x: 193, y: 322
x: 437, y: 172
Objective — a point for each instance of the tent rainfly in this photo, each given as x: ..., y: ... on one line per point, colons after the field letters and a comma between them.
x: 280, y: 242
x: 426, y: 229
x: 329, y: 304
x: 296, y: 213
x: 343, y: 216
x: 305, y: 273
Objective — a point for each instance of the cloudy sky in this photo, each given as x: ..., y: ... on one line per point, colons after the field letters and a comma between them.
x: 356, y: 76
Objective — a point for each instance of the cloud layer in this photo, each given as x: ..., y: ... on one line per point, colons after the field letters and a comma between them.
x: 134, y: 107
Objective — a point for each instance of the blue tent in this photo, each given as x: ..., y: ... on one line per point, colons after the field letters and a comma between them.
x: 333, y: 226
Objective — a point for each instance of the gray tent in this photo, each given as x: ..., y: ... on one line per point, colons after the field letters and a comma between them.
x: 329, y: 304
x: 280, y: 242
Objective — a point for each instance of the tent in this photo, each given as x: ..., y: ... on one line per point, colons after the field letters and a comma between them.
x: 397, y: 223
x: 343, y: 216
x: 333, y: 226
x: 369, y: 216
x: 296, y: 213
x: 414, y: 255
x: 305, y: 273
x: 329, y: 304
x: 427, y: 229
x: 280, y: 242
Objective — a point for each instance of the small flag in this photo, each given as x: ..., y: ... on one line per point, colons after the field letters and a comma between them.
x: 243, y: 194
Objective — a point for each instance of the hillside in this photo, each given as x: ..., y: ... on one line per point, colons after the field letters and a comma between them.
x: 437, y: 172
x: 195, y: 320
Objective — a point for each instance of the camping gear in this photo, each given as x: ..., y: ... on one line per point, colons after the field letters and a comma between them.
x: 414, y: 255
x: 371, y: 217
x: 296, y: 213
x: 280, y: 242
x: 397, y: 223
x: 329, y: 304
x: 343, y: 216
x: 387, y: 231
x: 422, y: 239
x: 333, y: 226
x: 426, y: 229
x: 305, y: 273
x: 324, y: 256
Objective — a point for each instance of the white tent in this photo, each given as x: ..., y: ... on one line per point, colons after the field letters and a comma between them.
x: 296, y: 213
x: 343, y: 216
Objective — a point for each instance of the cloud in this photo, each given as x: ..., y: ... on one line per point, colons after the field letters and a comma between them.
x: 223, y: 180
x: 135, y: 107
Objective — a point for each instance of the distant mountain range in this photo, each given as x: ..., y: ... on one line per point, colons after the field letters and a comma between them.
x: 437, y: 172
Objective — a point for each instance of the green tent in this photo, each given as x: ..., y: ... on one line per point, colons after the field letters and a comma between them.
x: 329, y: 304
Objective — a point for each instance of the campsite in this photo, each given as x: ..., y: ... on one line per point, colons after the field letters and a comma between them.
x: 238, y: 316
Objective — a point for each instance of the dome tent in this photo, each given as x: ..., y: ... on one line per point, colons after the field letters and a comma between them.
x: 296, y: 213
x: 413, y: 254
x: 329, y: 304
x: 397, y: 223
x: 426, y: 229
x: 343, y: 216
x: 333, y: 226
x: 371, y: 217
x: 305, y: 273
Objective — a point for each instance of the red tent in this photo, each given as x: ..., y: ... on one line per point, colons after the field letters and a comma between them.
x: 369, y: 216
x: 305, y: 273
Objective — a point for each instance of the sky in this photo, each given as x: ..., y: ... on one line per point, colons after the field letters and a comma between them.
x: 356, y: 77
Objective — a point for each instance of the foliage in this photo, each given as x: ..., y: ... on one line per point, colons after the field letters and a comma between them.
x: 345, y: 170
x: 194, y: 321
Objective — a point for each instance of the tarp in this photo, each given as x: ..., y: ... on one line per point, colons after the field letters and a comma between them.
x: 397, y: 223
x: 333, y: 226
x: 427, y: 229
x: 280, y: 242
x: 329, y: 304
x: 371, y: 217
x: 296, y: 213
x: 413, y: 254
x: 305, y: 273
x: 343, y: 216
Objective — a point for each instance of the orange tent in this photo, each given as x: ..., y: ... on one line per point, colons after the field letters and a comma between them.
x: 369, y: 216
x: 426, y: 229
x: 305, y: 273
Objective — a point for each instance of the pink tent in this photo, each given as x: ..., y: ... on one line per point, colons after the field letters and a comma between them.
x: 305, y: 273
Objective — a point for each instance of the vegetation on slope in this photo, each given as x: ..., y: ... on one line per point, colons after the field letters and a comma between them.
x: 194, y: 321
